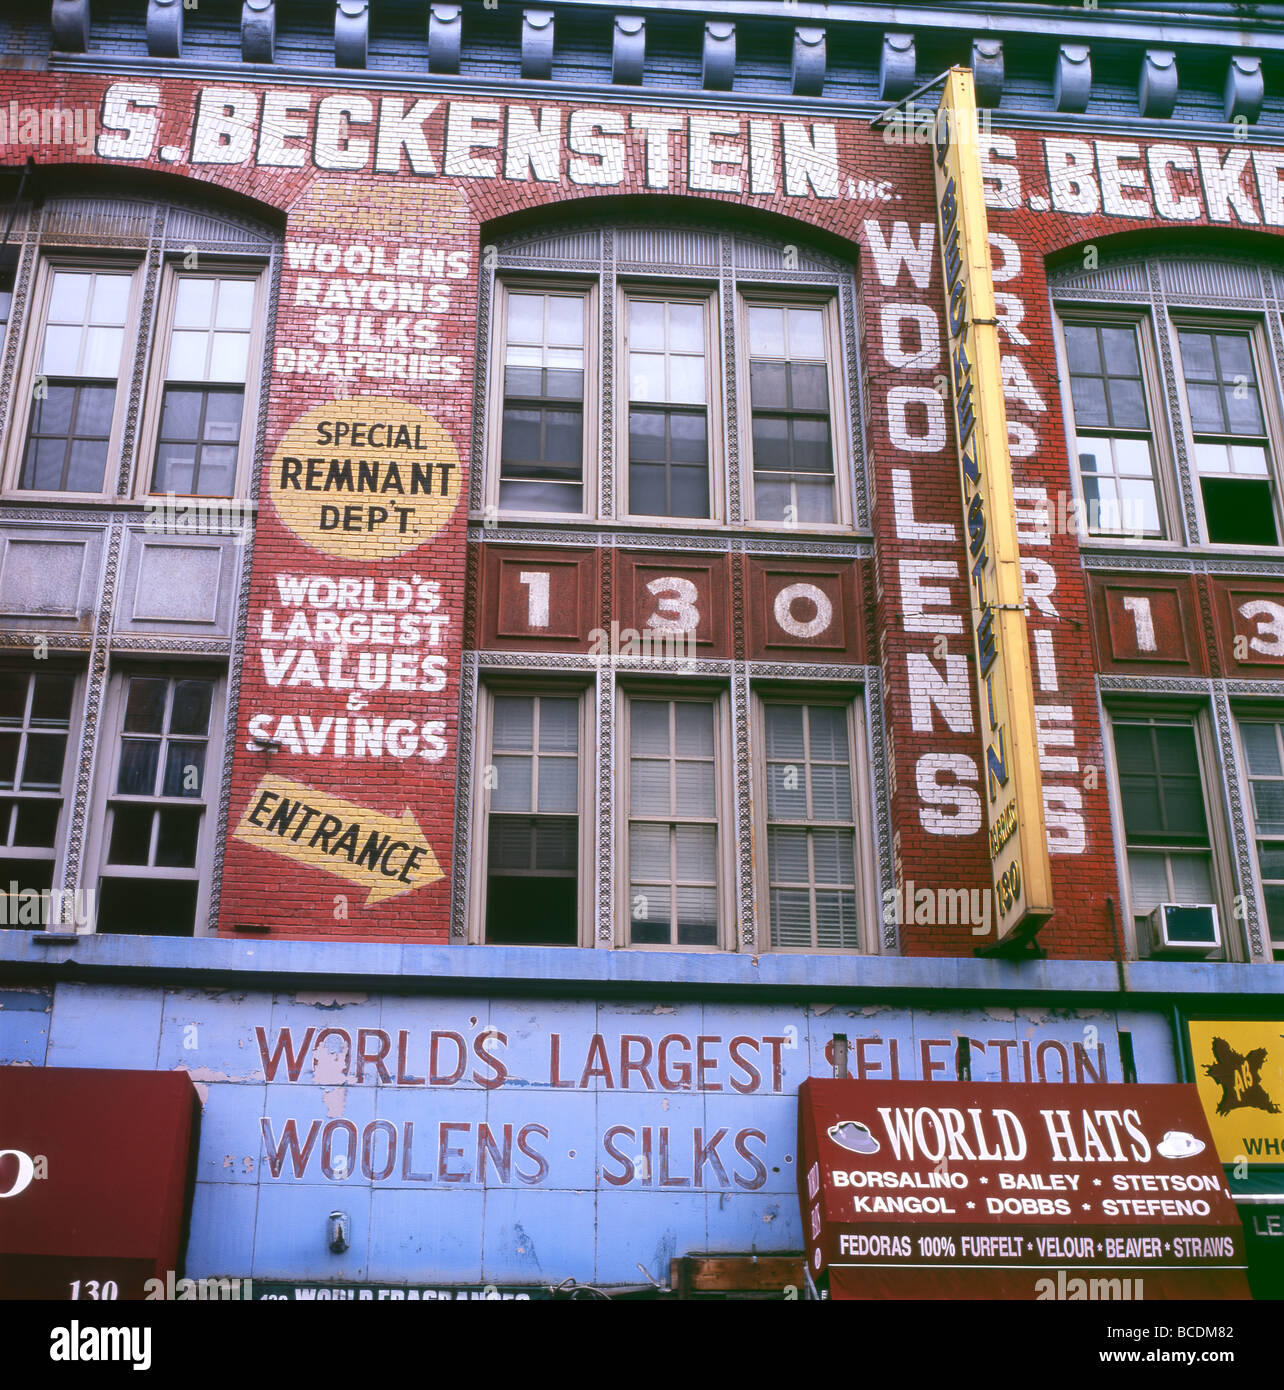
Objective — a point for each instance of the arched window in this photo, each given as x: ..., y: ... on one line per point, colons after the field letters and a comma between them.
x: 665, y: 374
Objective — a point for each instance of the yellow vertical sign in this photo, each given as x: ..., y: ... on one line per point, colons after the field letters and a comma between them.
x: 1013, y: 789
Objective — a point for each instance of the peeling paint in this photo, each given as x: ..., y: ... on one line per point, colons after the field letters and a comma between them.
x: 327, y: 999
x: 335, y: 1099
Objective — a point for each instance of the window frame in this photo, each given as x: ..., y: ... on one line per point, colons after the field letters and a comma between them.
x: 679, y: 291
x: 1198, y: 717
x: 758, y: 295
x: 1185, y: 319
x: 489, y: 685
x: 50, y: 262
x: 66, y: 786
x: 1272, y: 714
x: 1167, y: 491
x: 107, y: 764
x: 866, y: 880
x: 719, y: 697
x: 212, y: 268
x: 525, y: 282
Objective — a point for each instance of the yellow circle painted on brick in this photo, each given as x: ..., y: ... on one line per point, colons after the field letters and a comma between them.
x: 365, y: 478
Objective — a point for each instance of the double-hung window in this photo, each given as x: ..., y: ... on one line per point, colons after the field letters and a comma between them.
x: 541, y: 464
x: 202, y: 404
x: 668, y: 408
x: 36, y: 709
x: 1264, y: 754
x: 812, y: 865
x: 75, y: 390
x: 1166, y: 830
x: 672, y: 849
x: 789, y: 401
x: 532, y: 873
x: 157, y: 830
x: 1113, y: 435
x: 1232, y: 451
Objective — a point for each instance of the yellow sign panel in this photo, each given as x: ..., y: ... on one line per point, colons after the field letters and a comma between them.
x: 1239, y: 1073
x: 365, y: 478
x: 1017, y: 839
x: 373, y: 851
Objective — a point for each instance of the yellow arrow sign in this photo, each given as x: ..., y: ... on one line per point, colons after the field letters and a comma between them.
x: 382, y: 853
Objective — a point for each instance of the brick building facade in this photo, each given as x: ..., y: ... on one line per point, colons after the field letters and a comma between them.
x: 483, y: 568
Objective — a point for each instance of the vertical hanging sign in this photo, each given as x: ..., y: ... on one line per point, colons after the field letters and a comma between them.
x: 1016, y: 839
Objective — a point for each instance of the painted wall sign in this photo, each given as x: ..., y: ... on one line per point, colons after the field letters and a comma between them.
x: 365, y: 478
x: 961, y: 1191
x: 1239, y: 1073
x: 513, y: 1141
x: 1017, y: 837
x: 385, y: 855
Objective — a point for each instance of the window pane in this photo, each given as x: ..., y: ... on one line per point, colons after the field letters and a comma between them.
x: 565, y: 320
x: 177, y: 838
x: 785, y: 731
x: 9, y: 744
x: 147, y: 906
x: 184, y: 769
x: 229, y: 357
x: 695, y: 789
x: 787, y: 859
x: 1261, y: 749
x: 69, y: 297
x: 101, y: 357
x: 649, y: 852
x: 145, y: 708
x: 686, y: 328
x: 769, y: 385
x: 693, y: 724
x: 697, y: 853
x: 43, y: 764
x: 37, y: 823
x: 1147, y: 881
x: 828, y: 729
x: 61, y: 353
x: 558, y: 725
x: 766, y: 331
x: 646, y: 376
x: 810, y: 387
x: 514, y: 718
x: 1082, y: 353
x: 558, y: 784
x: 131, y: 835
x: 51, y: 701
x: 187, y: 353
x: 649, y: 789
x: 806, y: 333
x: 649, y: 727
x: 512, y: 789
x: 1268, y: 807
x: 138, y: 762
x: 1120, y: 346
x: 191, y: 712
x: 194, y: 302
x: 1192, y: 878
x: 235, y: 304
x: 1089, y: 396
x: 646, y: 326
x: 13, y: 695
x: 525, y: 318
x: 1197, y: 355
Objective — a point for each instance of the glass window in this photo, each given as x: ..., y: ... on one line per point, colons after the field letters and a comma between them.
x: 793, y: 456
x: 668, y: 411
x: 542, y: 435
x: 672, y: 841
x: 1231, y: 449
x: 157, y: 806
x: 1165, y: 825
x: 35, y: 725
x: 203, y: 397
x: 1263, y: 749
x: 811, y: 827
x: 1112, y: 430
x: 533, y: 828
x: 74, y: 392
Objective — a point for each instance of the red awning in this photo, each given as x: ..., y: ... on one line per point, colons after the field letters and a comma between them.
x: 95, y: 1179
x: 954, y: 1190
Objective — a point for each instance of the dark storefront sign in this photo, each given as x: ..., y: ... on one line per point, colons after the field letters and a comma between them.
x: 95, y: 1179
x: 955, y: 1190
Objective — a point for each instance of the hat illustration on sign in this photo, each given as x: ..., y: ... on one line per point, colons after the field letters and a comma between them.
x: 851, y: 1134
x: 1176, y: 1143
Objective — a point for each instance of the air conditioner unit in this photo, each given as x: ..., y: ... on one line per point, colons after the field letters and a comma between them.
x: 1191, y: 930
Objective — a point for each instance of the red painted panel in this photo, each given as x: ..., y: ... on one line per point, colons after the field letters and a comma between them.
x: 1250, y: 625
x: 554, y: 608
x: 961, y: 1190
x: 117, y: 1149
x: 1140, y: 624
x: 659, y: 594
x: 804, y: 610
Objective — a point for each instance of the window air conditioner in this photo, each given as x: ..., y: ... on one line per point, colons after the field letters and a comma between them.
x: 1184, y: 929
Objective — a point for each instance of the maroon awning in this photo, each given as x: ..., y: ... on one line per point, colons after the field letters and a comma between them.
x: 954, y: 1190
x: 95, y: 1179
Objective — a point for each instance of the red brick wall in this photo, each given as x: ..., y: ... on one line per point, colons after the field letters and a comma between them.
x: 880, y: 203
